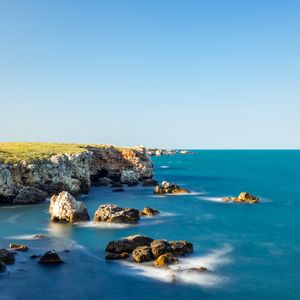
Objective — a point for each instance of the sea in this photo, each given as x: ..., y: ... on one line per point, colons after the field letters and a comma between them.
x: 251, y: 251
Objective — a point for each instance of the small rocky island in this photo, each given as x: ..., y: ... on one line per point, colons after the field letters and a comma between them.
x: 243, y: 197
x: 169, y: 188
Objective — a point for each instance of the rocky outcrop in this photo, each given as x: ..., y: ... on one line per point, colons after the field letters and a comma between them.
x: 148, y: 211
x: 2, y: 268
x: 31, y: 181
x: 165, y: 260
x: 6, y: 257
x: 243, y: 197
x: 161, y: 152
x: 114, y: 214
x: 18, y: 247
x: 64, y: 208
x: 50, y: 257
x: 160, y: 247
x: 142, y: 254
x: 169, y: 188
x: 181, y: 247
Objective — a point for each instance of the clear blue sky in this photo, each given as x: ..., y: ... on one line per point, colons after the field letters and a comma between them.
x: 182, y: 74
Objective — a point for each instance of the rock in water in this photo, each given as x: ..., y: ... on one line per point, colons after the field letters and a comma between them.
x: 2, y: 268
x: 128, y: 244
x: 148, y: 211
x: 65, y: 208
x: 18, y: 247
x: 111, y: 255
x: 169, y: 188
x: 165, y: 260
x: 130, y: 177
x: 181, y: 247
x: 50, y: 257
x: 160, y: 247
x: 243, y: 197
x: 149, y: 182
x: 142, y: 253
x: 6, y: 257
x: 114, y: 214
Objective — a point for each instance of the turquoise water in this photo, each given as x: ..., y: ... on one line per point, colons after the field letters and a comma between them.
x: 253, y: 251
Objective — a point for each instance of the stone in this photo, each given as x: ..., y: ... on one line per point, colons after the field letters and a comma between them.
x: 39, y: 236
x: 149, y: 182
x: 114, y: 214
x: 35, y: 256
x: 50, y: 257
x: 112, y: 255
x: 64, y: 208
x: 130, y: 177
x: 30, y: 195
x: 104, y: 181
x: 169, y: 188
x: 18, y: 247
x: 142, y: 254
x: 165, y: 260
x: 243, y: 197
x: 148, y: 211
x: 181, y: 247
x: 2, y: 267
x: 7, y: 257
x: 128, y: 244
x: 160, y: 247
x: 118, y: 190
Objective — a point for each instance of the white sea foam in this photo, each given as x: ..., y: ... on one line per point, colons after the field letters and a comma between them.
x: 214, y: 199
x: 164, y: 167
x: 103, y: 225
x: 27, y: 237
x: 180, y: 272
x: 13, y: 218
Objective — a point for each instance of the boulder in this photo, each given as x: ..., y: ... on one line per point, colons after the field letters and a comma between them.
x: 169, y: 188
x: 6, y: 257
x: 142, y: 253
x: 181, y: 247
x: 130, y: 177
x: 114, y: 214
x: 149, y: 182
x: 65, y: 208
x: 29, y: 195
x: 165, y: 260
x: 243, y: 197
x: 160, y: 247
x: 128, y: 244
x: 18, y: 247
x: 2, y: 268
x: 112, y: 255
x: 50, y: 257
x: 148, y: 211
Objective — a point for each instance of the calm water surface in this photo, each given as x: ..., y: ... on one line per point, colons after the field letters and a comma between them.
x: 253, y: 251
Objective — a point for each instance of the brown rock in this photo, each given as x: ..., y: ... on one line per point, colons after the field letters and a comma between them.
x: 165, y: 260
x: 18, y: 247
x: 142, y: 253
x: 181, y: 247
x: 148, y: 211
x: 160, y: 247
x: 169, y: 188
x: 243, y: 197
x: 112, y: 255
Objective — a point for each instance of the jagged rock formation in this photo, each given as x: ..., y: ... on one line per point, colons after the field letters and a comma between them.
x: 64, y: 208
x: 50, y: 257
x: 169, y: 188
x: 243, y: 197
x: 31, y: 181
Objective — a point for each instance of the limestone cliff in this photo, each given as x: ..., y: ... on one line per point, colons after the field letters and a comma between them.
x: 31, y: 181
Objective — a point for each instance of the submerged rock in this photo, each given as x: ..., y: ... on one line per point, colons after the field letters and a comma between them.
x: 128, y: 244
x: 50, y: 257
x: 142, y: 254
x: 18, y: 247
x: 2, y: 267
x: 181, y: 247
x: 7, y: 257
x: 112, y: 255
x: 65, y: 208
x: 243, y: 197
x: 160, y: 247
x: 149, y: 182
x: 165, y: 260
x: 148, y: 211
x: 114, y: 214
x: 169, y: 188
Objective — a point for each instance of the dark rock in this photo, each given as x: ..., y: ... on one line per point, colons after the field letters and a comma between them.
x: 118, y: 190
x: 112, y: 255
x: 18, y: 247
x: 142, y: 253
x: 149, y: 182
x: 7, y: 257
x: 181, y: 247
x: 2, y: 267
x: 169, y: 188
x: 35, y: 256
x: 128, y: 244
x: 165, y: 260
x: 160, y: 247
x: 29, y: 195
x: 50, y: 257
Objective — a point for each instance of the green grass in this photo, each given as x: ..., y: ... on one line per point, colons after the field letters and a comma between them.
x: 11, y: 153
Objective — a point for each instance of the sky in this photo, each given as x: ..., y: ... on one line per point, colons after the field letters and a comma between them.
x: 203, y: 74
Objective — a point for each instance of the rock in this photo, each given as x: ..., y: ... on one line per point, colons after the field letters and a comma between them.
x: 39, y: 236
x: 35, y: 256
x: 128, y: 244
x: 7, y: 257
x: 181, y: 247
x: 169, y: 188
x: 142, y: 253
x: 130, y: 177
x: 165, y: 260
x: 197, y: 269
x: 65, y: 208
x: 160, y: 247
x: 148, y: 211
x: 112, y: 255
x: 118, y: 190
x: 149, y: 182
x: 103, y: 181
x: 243, y: 197
x: 2, y: 268
x: 30, y: 195
x: 50, y: 257
x: 114, y: 214
x: 18, y: 247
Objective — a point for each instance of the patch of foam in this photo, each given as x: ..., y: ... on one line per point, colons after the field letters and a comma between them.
x: 180, y: 272
x: 24, y: 237
x: 214, y: 199
x: 164, y: 167
x: 13, y: 218
x: 103, y: 225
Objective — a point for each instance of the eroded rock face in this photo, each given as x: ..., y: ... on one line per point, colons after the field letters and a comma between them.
x: 160, y: 247
x: 243, y: 197
x: 50, y: 257
x: 64, y: 208
x: 114, y: 214
x: 30, y: 195
x: 6, y: 257
x: 130, y: 177
x: 128, y: 244
x: 142, y: 254
x: 169, y: 188
x: 165, y: 260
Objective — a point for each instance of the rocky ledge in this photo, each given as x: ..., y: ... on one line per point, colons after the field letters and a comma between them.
x: 32, y: 180
x: 169, y: 188
x: 243, y: 197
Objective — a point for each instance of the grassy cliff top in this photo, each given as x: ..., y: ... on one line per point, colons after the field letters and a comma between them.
x: 15, y: 152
